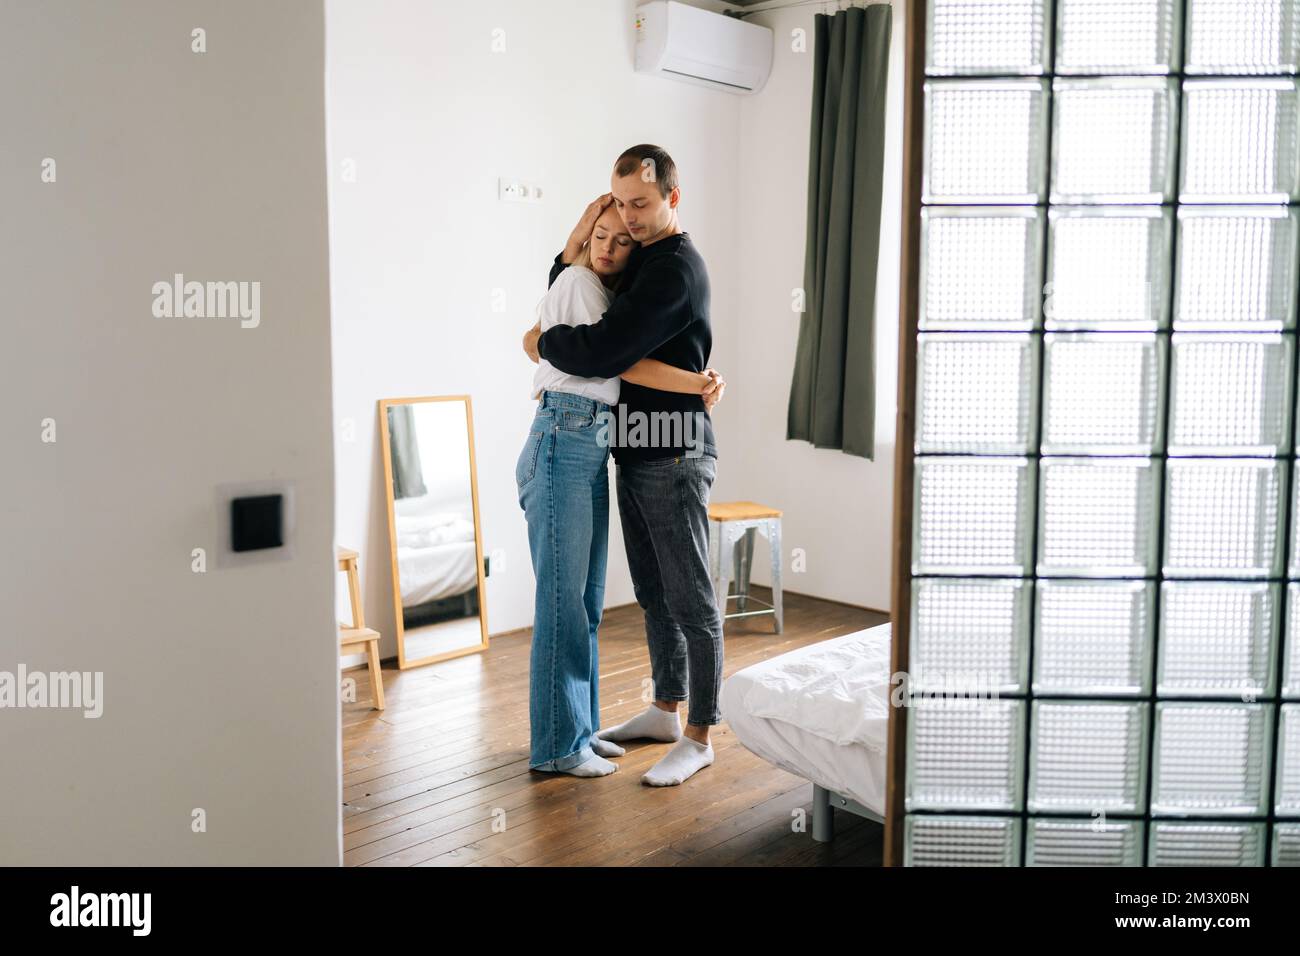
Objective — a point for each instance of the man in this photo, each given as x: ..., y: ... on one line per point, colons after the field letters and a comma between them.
x: 664, y: 475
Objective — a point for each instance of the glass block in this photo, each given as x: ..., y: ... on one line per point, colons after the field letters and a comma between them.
x: 1117, y: 36
x: 1223, y: 518
x: 976, y: 393
x: 1291, y: 655
x: 1210, y: 759
x: 1096, y: 517
x: 1093, y: 637
x: 973, y: 515
x: 1242, y: 36
x: 961, y: 841
x: 1286, y: 844
x: 981, y: 268
x: 1087, y: 756
x: 1108, y: 267
x: 964, y: 754
x: 967, y: 37
x: 1230, y: 394
x: 1102, y: 393
x: 1287, y: 794
x: 970, y: 630
x: 985, y: 141
x: 1240, y: 141
x: 1113, y: 140
x: 1065, y: 842
x: 1236, y: 268
x: 1293, y: 566
x: 1174, y: 843
x: 1218, y: 638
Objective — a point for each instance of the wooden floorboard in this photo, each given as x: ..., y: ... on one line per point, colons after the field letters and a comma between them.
x: 441, y: 777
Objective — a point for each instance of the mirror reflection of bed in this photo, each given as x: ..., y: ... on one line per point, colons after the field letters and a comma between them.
x: 433, y: 528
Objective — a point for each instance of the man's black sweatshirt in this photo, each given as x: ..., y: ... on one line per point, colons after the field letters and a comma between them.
x: 662, y: 313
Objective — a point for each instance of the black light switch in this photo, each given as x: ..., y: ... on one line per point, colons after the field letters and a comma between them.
x: 257, y: 523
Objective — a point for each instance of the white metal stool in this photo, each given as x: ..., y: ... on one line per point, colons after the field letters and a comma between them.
x: 732, y: 526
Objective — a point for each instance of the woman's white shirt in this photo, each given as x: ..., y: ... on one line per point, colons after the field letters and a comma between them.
x: 576, y: 297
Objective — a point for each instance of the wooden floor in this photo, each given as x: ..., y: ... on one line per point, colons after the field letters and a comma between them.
x: 442, y: 778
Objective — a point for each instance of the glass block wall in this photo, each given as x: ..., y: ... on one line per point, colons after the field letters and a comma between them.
x: 1105, y: 556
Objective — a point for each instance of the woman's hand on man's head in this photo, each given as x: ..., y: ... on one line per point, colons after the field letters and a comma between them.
x: 582, y: 231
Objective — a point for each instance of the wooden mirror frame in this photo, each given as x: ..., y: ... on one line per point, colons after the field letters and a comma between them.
x: 386, y: 453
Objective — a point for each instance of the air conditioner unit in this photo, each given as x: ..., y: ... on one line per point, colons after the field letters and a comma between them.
x: 686, y: 43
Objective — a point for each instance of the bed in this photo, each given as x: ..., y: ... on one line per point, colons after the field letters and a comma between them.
x: 436, y: 551
x: 821, y: 712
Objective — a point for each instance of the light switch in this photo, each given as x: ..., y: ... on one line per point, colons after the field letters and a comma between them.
x: 256, y: 523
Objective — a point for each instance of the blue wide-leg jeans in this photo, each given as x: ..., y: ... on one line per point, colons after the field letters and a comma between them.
x: 563, y: 482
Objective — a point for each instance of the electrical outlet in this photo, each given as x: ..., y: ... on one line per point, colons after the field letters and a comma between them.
x: 516, y: 190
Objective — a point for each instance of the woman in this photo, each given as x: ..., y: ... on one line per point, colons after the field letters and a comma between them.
x: 564, y: 491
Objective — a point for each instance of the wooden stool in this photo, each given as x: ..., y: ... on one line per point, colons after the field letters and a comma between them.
x: 353, y: 639
x: 732, y: 525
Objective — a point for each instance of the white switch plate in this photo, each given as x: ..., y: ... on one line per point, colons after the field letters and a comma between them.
x: 517, y: 190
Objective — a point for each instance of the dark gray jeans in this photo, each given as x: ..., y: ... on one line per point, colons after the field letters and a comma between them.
x: 663, y: 505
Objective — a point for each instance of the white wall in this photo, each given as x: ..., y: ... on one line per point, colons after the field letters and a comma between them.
x: 838, y: 508
x: 429, y: 116
x: 220, y: 688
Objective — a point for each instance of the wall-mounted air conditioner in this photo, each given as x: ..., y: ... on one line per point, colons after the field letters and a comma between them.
x: 686, y: 43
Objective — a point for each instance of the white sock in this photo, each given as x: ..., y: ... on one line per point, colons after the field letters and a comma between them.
x: 606, y: 748
x: 592, y: 767
x: 654, y: 723
x: 684, y: 759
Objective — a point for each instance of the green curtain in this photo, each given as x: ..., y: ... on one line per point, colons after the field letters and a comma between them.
x: 832, y: 395
x: 408, y: 471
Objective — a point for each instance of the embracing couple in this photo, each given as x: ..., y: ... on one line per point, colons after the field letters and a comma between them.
x: 622, y: 344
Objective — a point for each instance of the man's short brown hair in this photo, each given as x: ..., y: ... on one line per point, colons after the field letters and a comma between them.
x: 654, y: 164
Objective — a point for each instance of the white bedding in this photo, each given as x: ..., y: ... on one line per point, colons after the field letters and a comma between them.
x: 436, y: 552
x: 430, y: 574
x: 428, y: 531
x: 820, y: 712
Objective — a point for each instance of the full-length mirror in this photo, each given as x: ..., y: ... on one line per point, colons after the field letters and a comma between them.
x: 433, y: 527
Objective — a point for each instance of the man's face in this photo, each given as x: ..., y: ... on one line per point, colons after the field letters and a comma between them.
x: 645, y: 212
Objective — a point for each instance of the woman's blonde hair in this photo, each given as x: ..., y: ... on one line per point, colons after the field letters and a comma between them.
x: 584, y: 259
